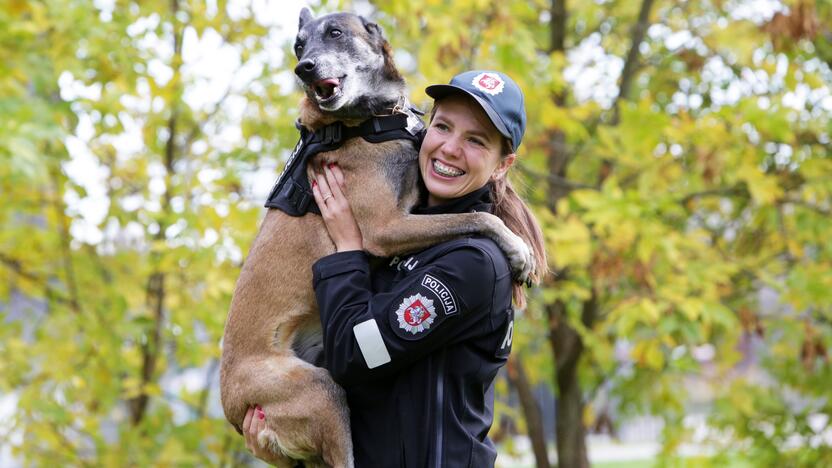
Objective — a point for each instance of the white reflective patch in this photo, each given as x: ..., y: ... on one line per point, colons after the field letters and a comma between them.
x: 371, y: 344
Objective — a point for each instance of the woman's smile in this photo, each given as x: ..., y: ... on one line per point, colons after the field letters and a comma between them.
x: 446, y: 170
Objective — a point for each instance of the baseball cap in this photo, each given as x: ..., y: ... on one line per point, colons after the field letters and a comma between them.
x: 499, y: 96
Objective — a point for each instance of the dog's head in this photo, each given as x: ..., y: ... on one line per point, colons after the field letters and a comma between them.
x: 345, y: 64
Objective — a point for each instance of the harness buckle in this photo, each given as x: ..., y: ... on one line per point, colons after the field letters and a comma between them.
x: 333, y: 133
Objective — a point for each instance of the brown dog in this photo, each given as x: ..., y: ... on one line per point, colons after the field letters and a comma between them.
x: 346, y: 68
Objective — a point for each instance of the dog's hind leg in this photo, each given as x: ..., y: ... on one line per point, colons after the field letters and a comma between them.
x: 306, y: 412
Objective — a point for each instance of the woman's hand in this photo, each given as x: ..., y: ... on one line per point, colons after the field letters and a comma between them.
x: 335, y: 209
x: 254, y: 422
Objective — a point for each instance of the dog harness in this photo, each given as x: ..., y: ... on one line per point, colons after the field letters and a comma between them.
x: 292, y: 193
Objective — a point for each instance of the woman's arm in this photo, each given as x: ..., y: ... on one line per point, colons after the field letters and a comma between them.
x: 370, y: 335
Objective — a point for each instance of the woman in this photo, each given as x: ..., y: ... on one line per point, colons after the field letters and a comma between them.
x: 416, y: 342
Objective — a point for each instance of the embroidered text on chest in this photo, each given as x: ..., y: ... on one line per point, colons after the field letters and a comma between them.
x: 410, y: 263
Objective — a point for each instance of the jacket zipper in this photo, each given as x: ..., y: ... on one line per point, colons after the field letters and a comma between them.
x: 440, y: 406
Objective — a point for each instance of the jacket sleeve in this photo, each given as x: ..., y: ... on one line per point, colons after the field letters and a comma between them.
x: 370, y: 335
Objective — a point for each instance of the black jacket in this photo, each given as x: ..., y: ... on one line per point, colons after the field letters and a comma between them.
x: 416, y: 344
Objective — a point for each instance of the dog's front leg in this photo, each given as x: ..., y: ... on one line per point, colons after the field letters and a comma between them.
x: 415, y: 232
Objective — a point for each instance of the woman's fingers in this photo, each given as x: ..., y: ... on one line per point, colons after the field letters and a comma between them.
x: 247, y: 419
x: 339, y: 176
x: 247, y: 426
x: 321, y: 191
x: 259, y: 422
x: 316, y: 192
x: 332, y: 178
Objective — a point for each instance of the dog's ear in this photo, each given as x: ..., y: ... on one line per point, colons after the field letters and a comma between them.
x: 305, y: 17
x: 371, y: 27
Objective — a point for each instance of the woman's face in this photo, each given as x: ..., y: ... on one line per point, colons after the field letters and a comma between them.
x: 461, y: 150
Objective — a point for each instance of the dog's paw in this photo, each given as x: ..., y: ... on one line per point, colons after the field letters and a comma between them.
x: 271, y: 450
x: 521, y: 259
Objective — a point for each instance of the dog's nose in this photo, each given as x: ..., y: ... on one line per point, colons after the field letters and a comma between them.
x: 304, y: 68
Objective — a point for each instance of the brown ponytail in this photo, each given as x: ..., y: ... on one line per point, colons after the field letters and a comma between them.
x: 509, y: 207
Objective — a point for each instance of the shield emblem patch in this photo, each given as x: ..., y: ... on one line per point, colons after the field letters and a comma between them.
x: 490, y: 83
x: 416, y: 313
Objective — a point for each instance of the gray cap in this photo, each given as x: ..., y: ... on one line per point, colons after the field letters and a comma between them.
x: 499, y: 96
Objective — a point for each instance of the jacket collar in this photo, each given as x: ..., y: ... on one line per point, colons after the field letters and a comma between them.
x: 478, y: 200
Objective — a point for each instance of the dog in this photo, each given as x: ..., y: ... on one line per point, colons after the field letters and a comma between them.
x: 346, y: 69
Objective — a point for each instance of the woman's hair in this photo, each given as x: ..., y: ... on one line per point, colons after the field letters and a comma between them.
x: 512, y: 210
x: 509, y: 207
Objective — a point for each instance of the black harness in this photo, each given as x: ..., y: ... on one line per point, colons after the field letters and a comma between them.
x: 292, y: 193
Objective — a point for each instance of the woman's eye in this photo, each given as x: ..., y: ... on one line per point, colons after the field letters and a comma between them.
x: 476, y: 141
x: 335, y: 33
x: 440, y: 126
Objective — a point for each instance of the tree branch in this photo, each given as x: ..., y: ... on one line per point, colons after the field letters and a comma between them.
x: 155, y: 293
x: 720, y: 192
x: 66, y: 254
x: 630, y: 63
x: 16, y: 266
x: 558, y: 26
x: 805, y: 204
x: 553, y: 179
x: 531, y: 409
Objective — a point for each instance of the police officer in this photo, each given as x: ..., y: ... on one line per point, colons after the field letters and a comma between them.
x: 417, y: 341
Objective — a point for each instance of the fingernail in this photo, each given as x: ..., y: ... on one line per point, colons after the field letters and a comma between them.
x: 314, y: 183
x: 331, y: 165
x: 258, y: 408
x: 261, y: 414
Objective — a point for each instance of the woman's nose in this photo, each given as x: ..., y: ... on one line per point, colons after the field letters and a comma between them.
x: 452, y: 147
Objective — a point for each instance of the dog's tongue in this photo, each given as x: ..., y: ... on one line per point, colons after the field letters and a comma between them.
x: 326, y: 87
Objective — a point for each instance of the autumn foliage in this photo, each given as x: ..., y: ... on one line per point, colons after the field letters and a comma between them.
x: 677, y: 154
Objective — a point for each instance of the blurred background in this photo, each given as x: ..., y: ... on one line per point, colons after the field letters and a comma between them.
x: 677, y: 155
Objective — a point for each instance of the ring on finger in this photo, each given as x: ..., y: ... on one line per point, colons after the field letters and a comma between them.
x: 327, y: 196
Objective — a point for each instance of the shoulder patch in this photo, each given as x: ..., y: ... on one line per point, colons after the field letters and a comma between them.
x: 443, y: 293
x: 416, y: 314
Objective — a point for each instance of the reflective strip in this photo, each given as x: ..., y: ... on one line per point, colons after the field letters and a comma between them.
x: 371, y: 344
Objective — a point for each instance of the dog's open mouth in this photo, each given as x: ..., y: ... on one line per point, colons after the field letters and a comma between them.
x: 327, y: 89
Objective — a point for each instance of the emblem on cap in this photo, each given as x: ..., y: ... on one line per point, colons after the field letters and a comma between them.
x: 416, y: 313
x: 490, y: 83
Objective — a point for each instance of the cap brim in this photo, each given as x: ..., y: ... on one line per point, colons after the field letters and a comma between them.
x: 443, y: 90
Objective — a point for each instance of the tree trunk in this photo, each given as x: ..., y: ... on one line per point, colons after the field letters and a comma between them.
x: 564, y: 339
x: 152, y: 348
x: 569, y: 406
x: 531, y: 410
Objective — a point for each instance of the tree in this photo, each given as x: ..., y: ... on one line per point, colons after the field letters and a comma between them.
x: 119, y: 364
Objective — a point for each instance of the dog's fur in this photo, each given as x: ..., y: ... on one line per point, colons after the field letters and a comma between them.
x: 273, y: 317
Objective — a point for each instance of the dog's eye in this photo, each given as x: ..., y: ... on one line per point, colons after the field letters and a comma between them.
x: 298, y: 48
x: 335, y: 33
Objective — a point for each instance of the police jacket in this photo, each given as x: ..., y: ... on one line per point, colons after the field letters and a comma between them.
x: 416, y: 343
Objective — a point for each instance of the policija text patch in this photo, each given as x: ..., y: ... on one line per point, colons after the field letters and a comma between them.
x: 442, y: 293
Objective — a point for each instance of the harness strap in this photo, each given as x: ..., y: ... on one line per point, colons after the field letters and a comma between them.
x: 292, y: 194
